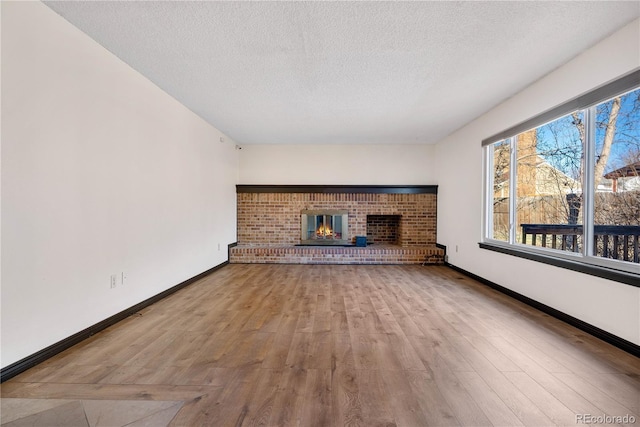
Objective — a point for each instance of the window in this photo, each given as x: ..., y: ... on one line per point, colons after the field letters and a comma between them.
x: 566, y: 184
x: 617, y: 178
x: 500, y: 154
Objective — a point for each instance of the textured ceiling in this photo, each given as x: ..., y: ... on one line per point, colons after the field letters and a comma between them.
x: 344, y: 72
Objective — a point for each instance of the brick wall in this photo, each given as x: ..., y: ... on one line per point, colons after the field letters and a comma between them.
x: 274, y: 218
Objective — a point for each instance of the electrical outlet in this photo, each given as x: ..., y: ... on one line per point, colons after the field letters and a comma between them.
x: 218, y: 246
x: 456, y: 248
x: 113, y: 281
x: 123, y: 278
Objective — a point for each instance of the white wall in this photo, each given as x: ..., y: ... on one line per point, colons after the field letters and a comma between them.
x: 608, y: 305
x: 102, y: 173
x: 367, y: 164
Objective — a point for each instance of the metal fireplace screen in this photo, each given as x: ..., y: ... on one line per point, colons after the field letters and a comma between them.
x: 324, y: 227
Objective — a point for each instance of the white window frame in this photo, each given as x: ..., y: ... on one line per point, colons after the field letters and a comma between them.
x: 586, y: 104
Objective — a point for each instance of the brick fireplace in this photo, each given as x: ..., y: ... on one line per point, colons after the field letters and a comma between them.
x: 399, y: 222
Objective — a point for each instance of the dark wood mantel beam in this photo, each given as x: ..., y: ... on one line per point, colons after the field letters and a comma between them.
x: 367, y: 189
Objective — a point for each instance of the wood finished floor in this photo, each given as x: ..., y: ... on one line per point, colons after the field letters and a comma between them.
x: 334, y: 345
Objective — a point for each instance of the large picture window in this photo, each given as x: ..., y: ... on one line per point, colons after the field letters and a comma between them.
x: 566, y: 184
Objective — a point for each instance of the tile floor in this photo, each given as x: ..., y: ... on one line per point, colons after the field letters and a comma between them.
x: 86, y: 413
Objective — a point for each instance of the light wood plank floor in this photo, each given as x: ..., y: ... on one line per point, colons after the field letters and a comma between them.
x: 334, y: 345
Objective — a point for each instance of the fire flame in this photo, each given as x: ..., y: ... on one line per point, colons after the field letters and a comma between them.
x: 324, y: 231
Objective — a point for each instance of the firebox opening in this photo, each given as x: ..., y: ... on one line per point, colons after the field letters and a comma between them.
x: 383, y: 229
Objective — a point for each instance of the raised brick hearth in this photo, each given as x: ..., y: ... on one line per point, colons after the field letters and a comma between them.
x: 401, y: 223
x: 378, y: 254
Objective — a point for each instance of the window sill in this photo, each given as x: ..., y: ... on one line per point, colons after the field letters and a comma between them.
x: 593, y: 270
